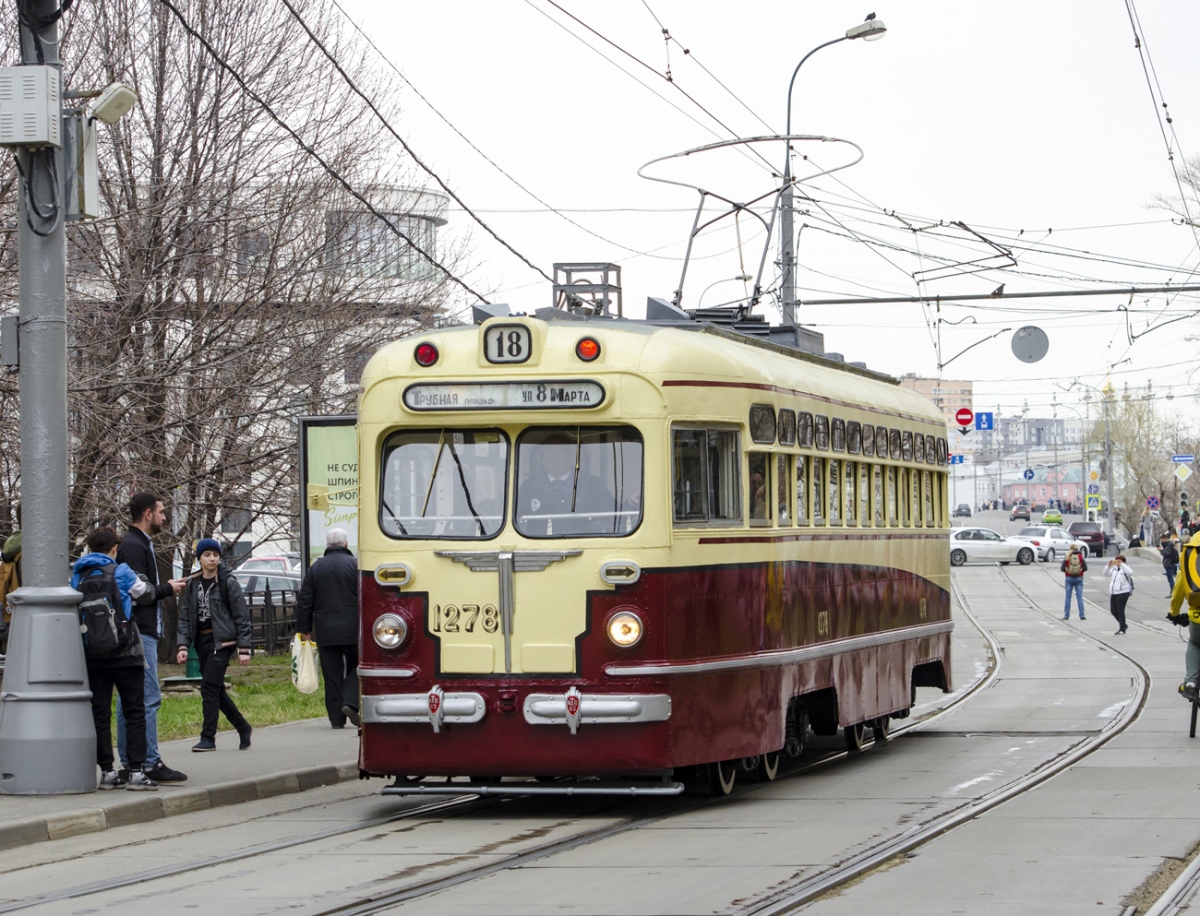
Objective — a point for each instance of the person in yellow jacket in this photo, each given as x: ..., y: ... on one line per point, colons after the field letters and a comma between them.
x: 1187, y: 589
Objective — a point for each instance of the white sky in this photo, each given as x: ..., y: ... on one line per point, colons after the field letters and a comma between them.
x: 1018, y: 117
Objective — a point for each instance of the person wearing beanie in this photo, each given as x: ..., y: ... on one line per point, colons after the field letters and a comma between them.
x: 213, y: 615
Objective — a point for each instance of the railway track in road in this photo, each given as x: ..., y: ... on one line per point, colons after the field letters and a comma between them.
x: 631, y: 817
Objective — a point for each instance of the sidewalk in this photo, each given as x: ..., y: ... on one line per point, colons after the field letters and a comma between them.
x: 284, y: 758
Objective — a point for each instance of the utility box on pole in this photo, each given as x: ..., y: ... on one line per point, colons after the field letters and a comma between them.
x: 30, y: 107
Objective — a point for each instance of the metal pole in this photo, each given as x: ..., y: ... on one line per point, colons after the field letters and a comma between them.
x: 1056, y: 475
x: 1108, y: 467
x: 47, y: 737
x: 787, y: 254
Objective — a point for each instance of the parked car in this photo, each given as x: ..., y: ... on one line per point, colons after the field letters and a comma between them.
x: 962, y: 509
x: 975, y: 545
x: 271, y: 595
x: 288, y: 562
x: 1052, y: 517
x: 1048, y: 541
x: 1091, y: 535
x: 1019, y: 511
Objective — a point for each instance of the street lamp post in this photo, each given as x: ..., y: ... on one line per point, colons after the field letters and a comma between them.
x: 1054, y: 420
x: 870, y: 30
x: 1083, y: 454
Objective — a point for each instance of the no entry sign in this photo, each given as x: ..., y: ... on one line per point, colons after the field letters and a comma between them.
x: 964, y: 416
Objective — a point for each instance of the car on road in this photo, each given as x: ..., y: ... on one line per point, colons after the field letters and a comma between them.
x: 1048, y: 541
x: 962, y: 509
x: 1019, y: 511
x: 983, y: 545
x: 1091, y: 535
x: 1052, y: 517
x: 271, y: 595
x: 288, y: 562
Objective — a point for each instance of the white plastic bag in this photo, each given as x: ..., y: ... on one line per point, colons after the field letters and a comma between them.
x: 304, y: 664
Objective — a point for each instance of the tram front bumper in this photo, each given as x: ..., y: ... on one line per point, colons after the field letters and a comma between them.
x: 572, y: 708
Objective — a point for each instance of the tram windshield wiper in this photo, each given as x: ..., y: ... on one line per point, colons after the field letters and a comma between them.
x: 575, y: 482
x: 395, y: 517
x: 437, y: 461
x: 462, y: 477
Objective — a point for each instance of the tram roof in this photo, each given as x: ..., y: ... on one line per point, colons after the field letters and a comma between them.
x: 670, y: 350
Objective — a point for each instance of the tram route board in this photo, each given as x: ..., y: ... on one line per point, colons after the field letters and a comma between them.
x: 540, y: 395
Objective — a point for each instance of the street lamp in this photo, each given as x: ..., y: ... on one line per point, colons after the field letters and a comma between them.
x: 1083, y: 453
x: 870, y: 30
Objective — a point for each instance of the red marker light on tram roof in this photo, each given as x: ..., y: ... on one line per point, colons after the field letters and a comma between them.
x: 426, y: 354
x: 587, y: 349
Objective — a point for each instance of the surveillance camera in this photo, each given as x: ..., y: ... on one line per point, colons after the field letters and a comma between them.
x: 113, y: 102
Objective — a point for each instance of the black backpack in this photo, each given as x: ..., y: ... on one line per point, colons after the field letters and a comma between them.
x: 106, y: 628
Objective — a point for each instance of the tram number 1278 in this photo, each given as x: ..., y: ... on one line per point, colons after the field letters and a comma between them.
x: 451, y: 618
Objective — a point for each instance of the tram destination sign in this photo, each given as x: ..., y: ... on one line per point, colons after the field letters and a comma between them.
x: 539, y: 395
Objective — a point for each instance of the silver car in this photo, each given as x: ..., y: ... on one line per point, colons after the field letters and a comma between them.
x: 983, y: 545
x: 1049, y: 541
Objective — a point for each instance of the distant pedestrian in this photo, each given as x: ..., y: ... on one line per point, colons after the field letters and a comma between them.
x: 327, y: 608
x: 122, y: 669
x: 1170, y: 561
x: 213, y: 615
x: 1120, y: 587
x: 1073, y: 567
x: 136, y: 550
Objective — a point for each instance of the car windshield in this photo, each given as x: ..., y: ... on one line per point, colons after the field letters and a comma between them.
x: 443, y: 483
x: 579, y: 481
x: 1080, y: 527
x: 1032, y: 532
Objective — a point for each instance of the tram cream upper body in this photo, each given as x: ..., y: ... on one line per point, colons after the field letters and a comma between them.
x: 656, y: 380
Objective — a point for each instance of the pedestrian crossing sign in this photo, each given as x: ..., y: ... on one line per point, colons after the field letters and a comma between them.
x: 1093, y: 502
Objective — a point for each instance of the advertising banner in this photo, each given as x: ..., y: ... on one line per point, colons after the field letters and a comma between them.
x: 328, y: 481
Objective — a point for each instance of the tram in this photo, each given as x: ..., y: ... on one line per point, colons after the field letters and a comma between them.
x: 610, y: 556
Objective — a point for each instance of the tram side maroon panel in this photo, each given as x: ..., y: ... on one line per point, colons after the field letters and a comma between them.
x: 691, y: 615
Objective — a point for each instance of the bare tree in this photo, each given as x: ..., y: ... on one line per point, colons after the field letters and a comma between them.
x: 232, y: 283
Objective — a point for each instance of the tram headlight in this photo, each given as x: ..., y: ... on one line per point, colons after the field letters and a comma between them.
x: 625, y: 629
x: 389, y: 631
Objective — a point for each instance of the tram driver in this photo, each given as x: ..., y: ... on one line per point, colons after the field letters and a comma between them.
x: 561, y: 495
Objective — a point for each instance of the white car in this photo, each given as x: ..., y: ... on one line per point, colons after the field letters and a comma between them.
x: 1049, y: 541
x: 983, y: 545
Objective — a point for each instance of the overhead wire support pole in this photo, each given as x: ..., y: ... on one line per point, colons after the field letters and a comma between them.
x: 47, y: 736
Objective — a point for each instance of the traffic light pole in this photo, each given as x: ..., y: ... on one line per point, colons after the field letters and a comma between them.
x: 47, y: 737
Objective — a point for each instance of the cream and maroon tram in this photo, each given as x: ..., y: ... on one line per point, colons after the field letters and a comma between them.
x: 609, y: 555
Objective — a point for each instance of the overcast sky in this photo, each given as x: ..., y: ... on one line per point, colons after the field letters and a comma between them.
x: 1029, y: 121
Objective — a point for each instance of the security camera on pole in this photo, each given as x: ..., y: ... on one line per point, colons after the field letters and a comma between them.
x: 47, y: 735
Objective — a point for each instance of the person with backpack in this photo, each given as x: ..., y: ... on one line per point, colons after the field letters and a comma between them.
x: 1073, y: 567
x: 213, y: 614
x: 1120, y: 588
x: 113, y: 653
x: 1170, y: 561
x: 1187, y: 591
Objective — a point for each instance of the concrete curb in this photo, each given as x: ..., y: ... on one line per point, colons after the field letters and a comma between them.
x: 142, y: 807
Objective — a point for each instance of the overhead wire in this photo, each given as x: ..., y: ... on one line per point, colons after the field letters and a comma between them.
x: 316, y: 156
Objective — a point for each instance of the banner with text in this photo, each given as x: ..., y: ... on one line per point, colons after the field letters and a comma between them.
x: 329, y: 482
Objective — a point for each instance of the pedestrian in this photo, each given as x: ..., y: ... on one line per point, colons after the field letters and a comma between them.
x: 122, y: 670
x: 136, y: 551
x: 1120, y: 588
x: 213, y: 616
x: 1073, y: 567
x: 327, y: 608
x: 1170, y: 561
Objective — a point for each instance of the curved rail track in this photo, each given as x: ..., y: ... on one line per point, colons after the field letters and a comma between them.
x: 782, y: 900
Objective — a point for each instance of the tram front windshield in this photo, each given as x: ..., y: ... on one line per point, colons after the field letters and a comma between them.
x: 578, y: 482
x: 444, y: 483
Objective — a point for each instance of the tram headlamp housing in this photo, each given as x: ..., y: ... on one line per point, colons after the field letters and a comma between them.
x: 625, y: 629
x: 390, y: 631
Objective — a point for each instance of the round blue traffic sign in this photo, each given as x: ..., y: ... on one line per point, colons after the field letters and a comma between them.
x: 1152, y: 502
x: 1093, y: 488
x: 1029, y: 474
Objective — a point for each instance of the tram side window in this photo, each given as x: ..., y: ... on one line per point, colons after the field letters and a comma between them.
x: 914, y: 477
x: 929, y: 514
x: 864, y: 494
x: 818, y: 491
x: 879, y: 499
x: 782, y: 476
x: 578, y: 481
x: 443, y: 483
x: 760, y: 487
x: 835, y: 493
x: 891, y: 496
x: 705, y: 478
x: 850, y: 481
x: 801, y: 490
x: 902, y: 497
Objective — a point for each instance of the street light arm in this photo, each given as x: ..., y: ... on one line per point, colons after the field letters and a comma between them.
x: 792, y: 82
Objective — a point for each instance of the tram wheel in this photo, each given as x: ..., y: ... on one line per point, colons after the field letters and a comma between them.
x: 721, y: 777
x: 881, y: 729
x: 856, y: 736
x: 768, y: 767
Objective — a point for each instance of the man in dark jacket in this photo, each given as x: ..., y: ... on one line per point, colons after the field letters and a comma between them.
x: 213, y: 615
x: 1170, y: 560
x: 136, y: 551
x: 328, y: 605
